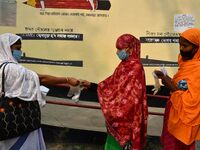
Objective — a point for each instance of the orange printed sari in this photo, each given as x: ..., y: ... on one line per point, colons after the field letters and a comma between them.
x: 183, y: 121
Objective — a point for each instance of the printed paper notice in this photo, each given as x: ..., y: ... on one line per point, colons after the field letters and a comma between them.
x: 183, y: 22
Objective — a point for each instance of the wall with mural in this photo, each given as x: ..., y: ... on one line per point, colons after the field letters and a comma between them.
x: 77, y: 37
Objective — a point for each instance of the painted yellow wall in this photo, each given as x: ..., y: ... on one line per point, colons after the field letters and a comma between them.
x: 97, y: 50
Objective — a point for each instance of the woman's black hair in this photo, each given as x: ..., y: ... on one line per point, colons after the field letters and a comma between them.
x: 194, y: 45
x: 17, y: 42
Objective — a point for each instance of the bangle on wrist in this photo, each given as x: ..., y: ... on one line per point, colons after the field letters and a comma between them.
x: 67, y: 79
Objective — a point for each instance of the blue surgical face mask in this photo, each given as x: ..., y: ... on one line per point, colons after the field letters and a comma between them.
x: 123, y: 55
x: 17, y: 54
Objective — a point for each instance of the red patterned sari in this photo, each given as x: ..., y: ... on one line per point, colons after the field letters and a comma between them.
x: 122, y: 97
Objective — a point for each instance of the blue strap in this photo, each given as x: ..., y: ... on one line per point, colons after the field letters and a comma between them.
x: 18, y: 144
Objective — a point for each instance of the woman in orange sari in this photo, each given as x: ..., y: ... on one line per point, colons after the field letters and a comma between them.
x: 123, y: 100
x: 182, y: 115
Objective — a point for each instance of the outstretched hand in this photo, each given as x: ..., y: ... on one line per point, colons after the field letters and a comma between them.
x: 159, y: 74
x: 85, y: 84
x: 73, y: 81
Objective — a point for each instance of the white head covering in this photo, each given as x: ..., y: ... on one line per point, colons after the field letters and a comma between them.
x: 19, y: 81
x: 6, y: 40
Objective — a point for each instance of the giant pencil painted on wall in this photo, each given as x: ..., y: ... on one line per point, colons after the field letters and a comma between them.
x: 71, y: 4
x: 77, y: 37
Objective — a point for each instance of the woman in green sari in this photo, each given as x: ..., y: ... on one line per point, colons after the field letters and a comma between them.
x: 112, y: 144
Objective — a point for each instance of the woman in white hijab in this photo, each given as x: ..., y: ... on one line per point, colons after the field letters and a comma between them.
x: 25, y: 84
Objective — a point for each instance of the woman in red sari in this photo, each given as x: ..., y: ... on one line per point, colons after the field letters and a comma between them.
x: 123, y: 100
x: 182, y: 115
